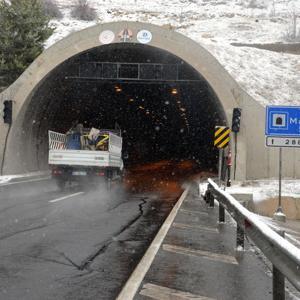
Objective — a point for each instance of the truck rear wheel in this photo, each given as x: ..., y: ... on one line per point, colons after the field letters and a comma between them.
x: 61, y: 184
x: 108, y: 184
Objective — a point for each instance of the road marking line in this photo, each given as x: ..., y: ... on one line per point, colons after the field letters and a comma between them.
x: 187, y: 226
x: 133, y: 283
x: 24, y: 181
x: 163, y: 293
x: 65, y: 197
x: 194, y: 212
x: 200, y: 253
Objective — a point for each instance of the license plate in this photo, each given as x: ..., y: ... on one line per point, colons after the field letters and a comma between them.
x: 79, y: 173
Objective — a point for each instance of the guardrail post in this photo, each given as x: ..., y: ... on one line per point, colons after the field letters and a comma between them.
x: 240, y: 237
x: 211, y: 200
x: 278, y: 280
x: 221, y: 213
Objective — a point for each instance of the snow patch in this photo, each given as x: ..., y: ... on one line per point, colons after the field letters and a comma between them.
x: 4, y: 179
x: 8, y: 178
x: 265, y: 189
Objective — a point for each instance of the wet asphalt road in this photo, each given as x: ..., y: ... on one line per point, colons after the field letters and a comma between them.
x: 83, y: 246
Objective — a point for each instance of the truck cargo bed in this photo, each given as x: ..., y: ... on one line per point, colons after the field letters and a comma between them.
x: 85, y: 158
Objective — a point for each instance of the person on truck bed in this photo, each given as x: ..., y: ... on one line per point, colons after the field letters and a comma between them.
x: 74, y: 137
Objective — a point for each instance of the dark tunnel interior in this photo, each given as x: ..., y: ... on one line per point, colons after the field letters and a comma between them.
x: 164, y: 108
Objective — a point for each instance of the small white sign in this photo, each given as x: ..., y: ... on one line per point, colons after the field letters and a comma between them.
x: 106, y: 37
x: 144, y: 36
x: 272, y: 141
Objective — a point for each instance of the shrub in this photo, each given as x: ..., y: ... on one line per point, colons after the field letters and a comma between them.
x: 261, y: 4
x: 51, y: 9
x: 256, y: 4
x: 83, y: 11
x: 292, y: 33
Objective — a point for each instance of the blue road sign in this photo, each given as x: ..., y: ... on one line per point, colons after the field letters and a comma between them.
x: 283, y: 121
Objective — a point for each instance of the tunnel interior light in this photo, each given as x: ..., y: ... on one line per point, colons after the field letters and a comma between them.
x: 174, y: 91
x: 118, y: 89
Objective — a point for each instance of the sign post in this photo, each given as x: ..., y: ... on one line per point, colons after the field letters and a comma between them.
x: 280, y: 176
x: 220, y: 165
x: 221, y: 141
x: 282, y: 130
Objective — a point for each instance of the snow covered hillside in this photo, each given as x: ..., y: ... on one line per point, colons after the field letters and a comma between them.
x: 270, y: 77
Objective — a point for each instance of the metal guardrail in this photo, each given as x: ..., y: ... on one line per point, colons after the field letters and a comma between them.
x: 284, y: 256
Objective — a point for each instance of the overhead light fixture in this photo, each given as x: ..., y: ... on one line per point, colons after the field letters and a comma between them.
x: 118, y: 89
x: 141, y: 107
x: 131, y: 100
x: 174, y: 91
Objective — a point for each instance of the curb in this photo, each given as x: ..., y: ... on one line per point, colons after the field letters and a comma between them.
x: 133, y: 283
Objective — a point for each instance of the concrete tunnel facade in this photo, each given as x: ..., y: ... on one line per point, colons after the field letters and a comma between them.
x: 254, y: 160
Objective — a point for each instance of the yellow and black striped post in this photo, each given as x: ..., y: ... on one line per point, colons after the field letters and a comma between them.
x: 222, y: 136
x: 221, y: 141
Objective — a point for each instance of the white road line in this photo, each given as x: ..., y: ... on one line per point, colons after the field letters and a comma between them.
x: 194, y: 212
x: 200, y: 253
x: 65, y: 197
x: 163, y: 293
x: 24, y: 181
x: 187, y: 226
x: 133, y: 283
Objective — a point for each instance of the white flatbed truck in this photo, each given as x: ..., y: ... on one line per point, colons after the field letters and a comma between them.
x: 85, y: 166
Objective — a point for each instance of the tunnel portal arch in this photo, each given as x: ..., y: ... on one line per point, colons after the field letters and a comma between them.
x: 227, y: 91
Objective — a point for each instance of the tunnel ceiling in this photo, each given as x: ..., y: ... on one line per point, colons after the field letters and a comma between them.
x: 165, y: 109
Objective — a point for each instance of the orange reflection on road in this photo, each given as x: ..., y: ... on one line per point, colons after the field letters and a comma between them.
x: 165, y: 177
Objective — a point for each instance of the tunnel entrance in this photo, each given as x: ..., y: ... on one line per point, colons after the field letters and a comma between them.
x: 164, y: 108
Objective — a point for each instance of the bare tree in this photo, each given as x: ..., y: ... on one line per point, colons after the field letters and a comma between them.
x: 51, y: 9
x: 292, y: 33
